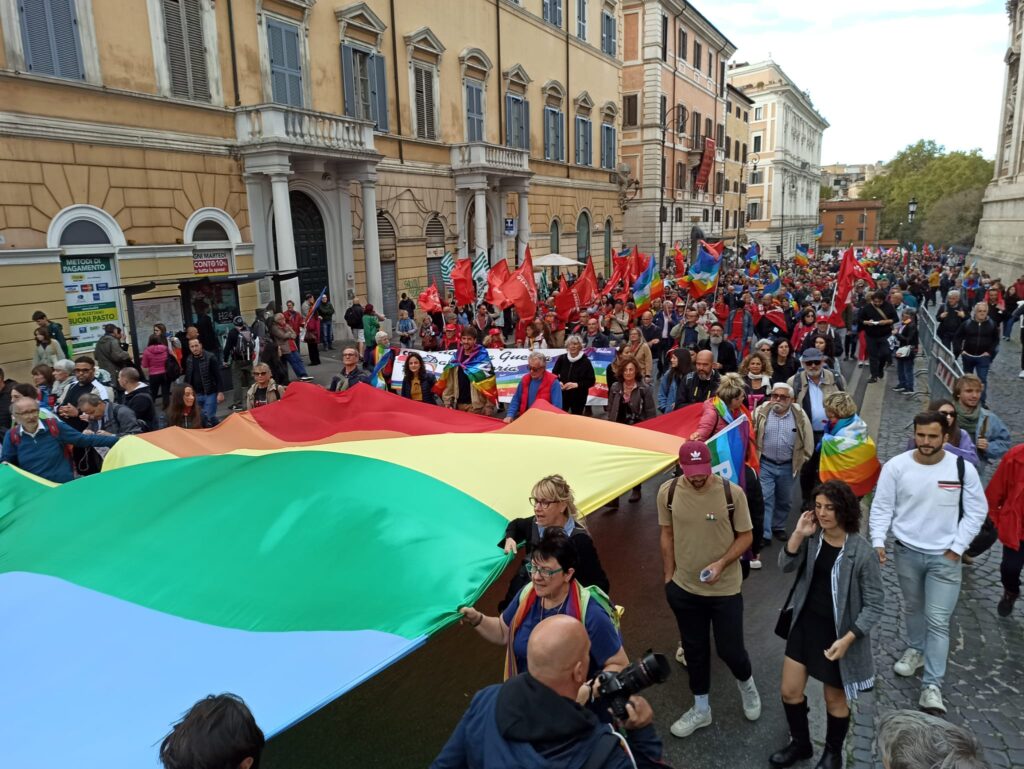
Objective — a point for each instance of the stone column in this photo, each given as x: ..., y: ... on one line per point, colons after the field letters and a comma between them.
x: 371, y: 244
x: 285, y: 239
x: 348, y: 264
x: 255, y: 187
x: 480, y: 220
x: 461, y: 206
x: 524, y: 226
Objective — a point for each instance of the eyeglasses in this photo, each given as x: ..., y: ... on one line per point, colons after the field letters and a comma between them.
x: 947, y: 413
x: 777, y: 397
x: 532, y: 568
x: 261, y: 373
x: 534, y: 502
x: 348, y: 355
x: 812, y: 363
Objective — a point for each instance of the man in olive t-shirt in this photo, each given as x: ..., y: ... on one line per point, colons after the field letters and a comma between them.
x: 701, y: 543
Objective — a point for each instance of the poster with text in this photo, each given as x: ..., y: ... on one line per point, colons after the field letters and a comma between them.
x: 90, y: 301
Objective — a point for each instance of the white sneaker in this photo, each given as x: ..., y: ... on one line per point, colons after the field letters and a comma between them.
x: 931, y: 700
x: 681, y: 655
x: 755, y: 563
x: 911, y: 661
x: 691, y: 721
x: 751, y: 699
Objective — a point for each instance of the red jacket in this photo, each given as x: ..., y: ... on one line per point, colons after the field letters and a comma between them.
x: 1005, y: 494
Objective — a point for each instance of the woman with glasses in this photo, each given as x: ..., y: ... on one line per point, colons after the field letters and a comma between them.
x: 553, y: 589
x: 265, y: 390
x: 958, y: 440
x: 553, y: 506
x: 418, y: 381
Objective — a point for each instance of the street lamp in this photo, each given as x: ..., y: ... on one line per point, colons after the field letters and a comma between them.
x: 662, y: 213
x: 911, y: 210
x: 754, y: 160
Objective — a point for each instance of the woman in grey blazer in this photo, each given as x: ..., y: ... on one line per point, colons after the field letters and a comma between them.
x: 837, y: 600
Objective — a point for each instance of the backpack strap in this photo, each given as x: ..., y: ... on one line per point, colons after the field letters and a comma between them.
x: 729, y: 504
x: 961, y: 469
x: 604, y: 746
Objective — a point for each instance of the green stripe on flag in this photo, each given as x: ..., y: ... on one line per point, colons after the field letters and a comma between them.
x: 285, y: 541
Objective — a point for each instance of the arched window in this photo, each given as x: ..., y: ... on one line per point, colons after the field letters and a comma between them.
x: 555, y: 236
x: 435, y: 232
x: 388, y: 265
x: 83, y: 232
x: 209, y: 230
x: 583, y: 236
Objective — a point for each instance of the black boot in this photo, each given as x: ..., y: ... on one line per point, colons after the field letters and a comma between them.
x: 635, y: 496
x: 799, y: 746
x: 835, y: 736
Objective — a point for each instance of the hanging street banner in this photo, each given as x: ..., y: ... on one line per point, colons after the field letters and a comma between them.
x: 510, y: 366
x: 90, y: 302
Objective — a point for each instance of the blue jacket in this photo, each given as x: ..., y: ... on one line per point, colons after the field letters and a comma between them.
x: 659, y: 321
x: 667, y: 393
x: 522, y: 724
x: 517, y: 398
x: 998, y: 437
x: 43, y: 454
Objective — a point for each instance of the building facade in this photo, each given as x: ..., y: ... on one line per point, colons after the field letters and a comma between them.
x: 785, y: 134
x: 674, y: 113
x: 353, y: 145
x: 738, y: 109
x: 999, y: 244
x: 846, y: 180
x: 847, y: 223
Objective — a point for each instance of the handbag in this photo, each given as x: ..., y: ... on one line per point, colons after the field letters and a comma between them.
x: 785, y: 621
x: 904, y: 351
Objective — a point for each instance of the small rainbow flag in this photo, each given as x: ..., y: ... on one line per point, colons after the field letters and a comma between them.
x: 703, y: 275
x: 753, y: 259
x: 802, y: 257
x: 848, y: 454
x: 648, y: 287
x: 776, y: 283
x: 819, y: 231
x: 479, y: 370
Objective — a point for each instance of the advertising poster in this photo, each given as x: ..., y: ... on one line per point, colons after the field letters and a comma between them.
x: 90, y: 302
x: 510, y: 366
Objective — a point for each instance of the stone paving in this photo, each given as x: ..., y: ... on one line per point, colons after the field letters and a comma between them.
x: 985, y: 677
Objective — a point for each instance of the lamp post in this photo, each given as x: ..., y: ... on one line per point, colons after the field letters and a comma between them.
x: 662, y: 213
x: 754, y: 160
x: 911, y: 213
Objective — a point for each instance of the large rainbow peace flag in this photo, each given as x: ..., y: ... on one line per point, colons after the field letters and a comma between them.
x: 849, y: 454
x: 286, y: 555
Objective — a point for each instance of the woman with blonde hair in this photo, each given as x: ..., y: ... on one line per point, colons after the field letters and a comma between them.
x: 636, y: 347
x: 728, y: 404
x: 553, y: 505
x: 756, y: 371
x: 848, y: 453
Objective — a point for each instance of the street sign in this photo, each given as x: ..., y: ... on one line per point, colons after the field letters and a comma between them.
x: 511, y: 227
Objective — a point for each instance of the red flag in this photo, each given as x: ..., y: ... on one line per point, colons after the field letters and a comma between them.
x: 636, y: 264
x: 618, y: 271
x: 715, y: 249
x: 680, y: 260
x: 430, y: 299
x: 572, y: 299
x: 462, y: 279
x: 850, y: 271
x: 521, y: 290
x: 499, y: 274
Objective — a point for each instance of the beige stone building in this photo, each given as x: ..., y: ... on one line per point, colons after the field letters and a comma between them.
x: 674, y: 113
x: 156, y: 138
x: 999, y: 244
x: 785, y: 134
x: 738, y: 109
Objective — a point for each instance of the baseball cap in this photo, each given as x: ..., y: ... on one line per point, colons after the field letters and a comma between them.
x: 822, y: 317
x: 450, y: 327
x: 695, y: 458
x: 811, y: 354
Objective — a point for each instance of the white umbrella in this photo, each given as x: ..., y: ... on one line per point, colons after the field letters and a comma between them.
x: 554, y: 260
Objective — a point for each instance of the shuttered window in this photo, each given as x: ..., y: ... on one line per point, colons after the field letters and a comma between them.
x: 608, y: 33
x: 423, y: 82
x: 583, y: 137
x: 517, y: 122
x: 285, y: 62
x: 186, y: 54
x: 551, y: 10
x: 366, y: 94
x: 554, y: 134
x: 49, y: 31
x: 474, y: 111
x: 607, y: 146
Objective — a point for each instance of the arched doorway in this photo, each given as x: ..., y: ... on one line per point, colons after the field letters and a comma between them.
x: 582, y: 237
x: 310, y: 244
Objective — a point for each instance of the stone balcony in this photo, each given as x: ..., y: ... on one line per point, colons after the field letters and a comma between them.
x: 275, y: 127
x: 490, y: 159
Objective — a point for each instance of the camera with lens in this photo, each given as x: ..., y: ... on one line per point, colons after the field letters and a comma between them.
x: 617, y: 688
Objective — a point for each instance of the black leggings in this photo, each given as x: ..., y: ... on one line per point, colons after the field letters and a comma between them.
x: 160, y: 383
x: 1010, y: 568
x: 697, y: 616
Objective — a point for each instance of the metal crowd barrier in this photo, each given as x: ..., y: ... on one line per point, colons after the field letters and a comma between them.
x: 943, y: 368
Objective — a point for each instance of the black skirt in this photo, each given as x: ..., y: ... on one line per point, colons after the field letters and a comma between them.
x: 810, y: 636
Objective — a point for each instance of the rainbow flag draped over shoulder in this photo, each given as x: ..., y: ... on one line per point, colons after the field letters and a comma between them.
x: 703, y: 275
x: 382, y: 359
x: 478, y: 369
x: 848, y: 454
x: 648, y: 287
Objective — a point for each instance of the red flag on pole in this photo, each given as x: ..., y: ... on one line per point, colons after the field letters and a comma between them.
x: 430, y: 299
x: 499, y: 274
x: 850, y: 271
x: 572, y: 299
x: 462, y: 279
x: 521, y: 290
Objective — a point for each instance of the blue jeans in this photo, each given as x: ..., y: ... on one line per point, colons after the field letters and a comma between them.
x: 931, y: 587
x: 296, y: 362
x: 208, y: 408
x: 327, y: 333
x: 777, y: 487
x: 905, y: 372
x: 1008, y: 326
x: 978, y: 364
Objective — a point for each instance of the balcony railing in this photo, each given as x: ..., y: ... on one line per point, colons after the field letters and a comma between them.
x: 492, y: 158
x: 278, y: 124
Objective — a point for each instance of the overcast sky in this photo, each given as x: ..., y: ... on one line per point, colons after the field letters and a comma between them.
x: 884, y: 73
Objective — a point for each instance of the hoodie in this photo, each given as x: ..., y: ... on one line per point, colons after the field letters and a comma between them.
x: 523, y: 724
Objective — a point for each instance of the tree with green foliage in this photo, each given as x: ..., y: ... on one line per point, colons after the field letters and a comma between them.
x: 953, y: 221
x: 926, y: 172
x: 827, y: 193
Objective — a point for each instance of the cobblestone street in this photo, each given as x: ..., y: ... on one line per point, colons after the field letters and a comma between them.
x: 986, y: 673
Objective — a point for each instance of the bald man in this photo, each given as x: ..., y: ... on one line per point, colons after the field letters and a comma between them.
x: 701, y: 384
x: 534, y: 719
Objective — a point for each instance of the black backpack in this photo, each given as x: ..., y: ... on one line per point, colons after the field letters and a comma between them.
x: 354, y: 316
x: 245, y: 347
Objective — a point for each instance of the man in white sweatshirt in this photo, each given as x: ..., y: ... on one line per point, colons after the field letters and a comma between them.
x: 935, y: 505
